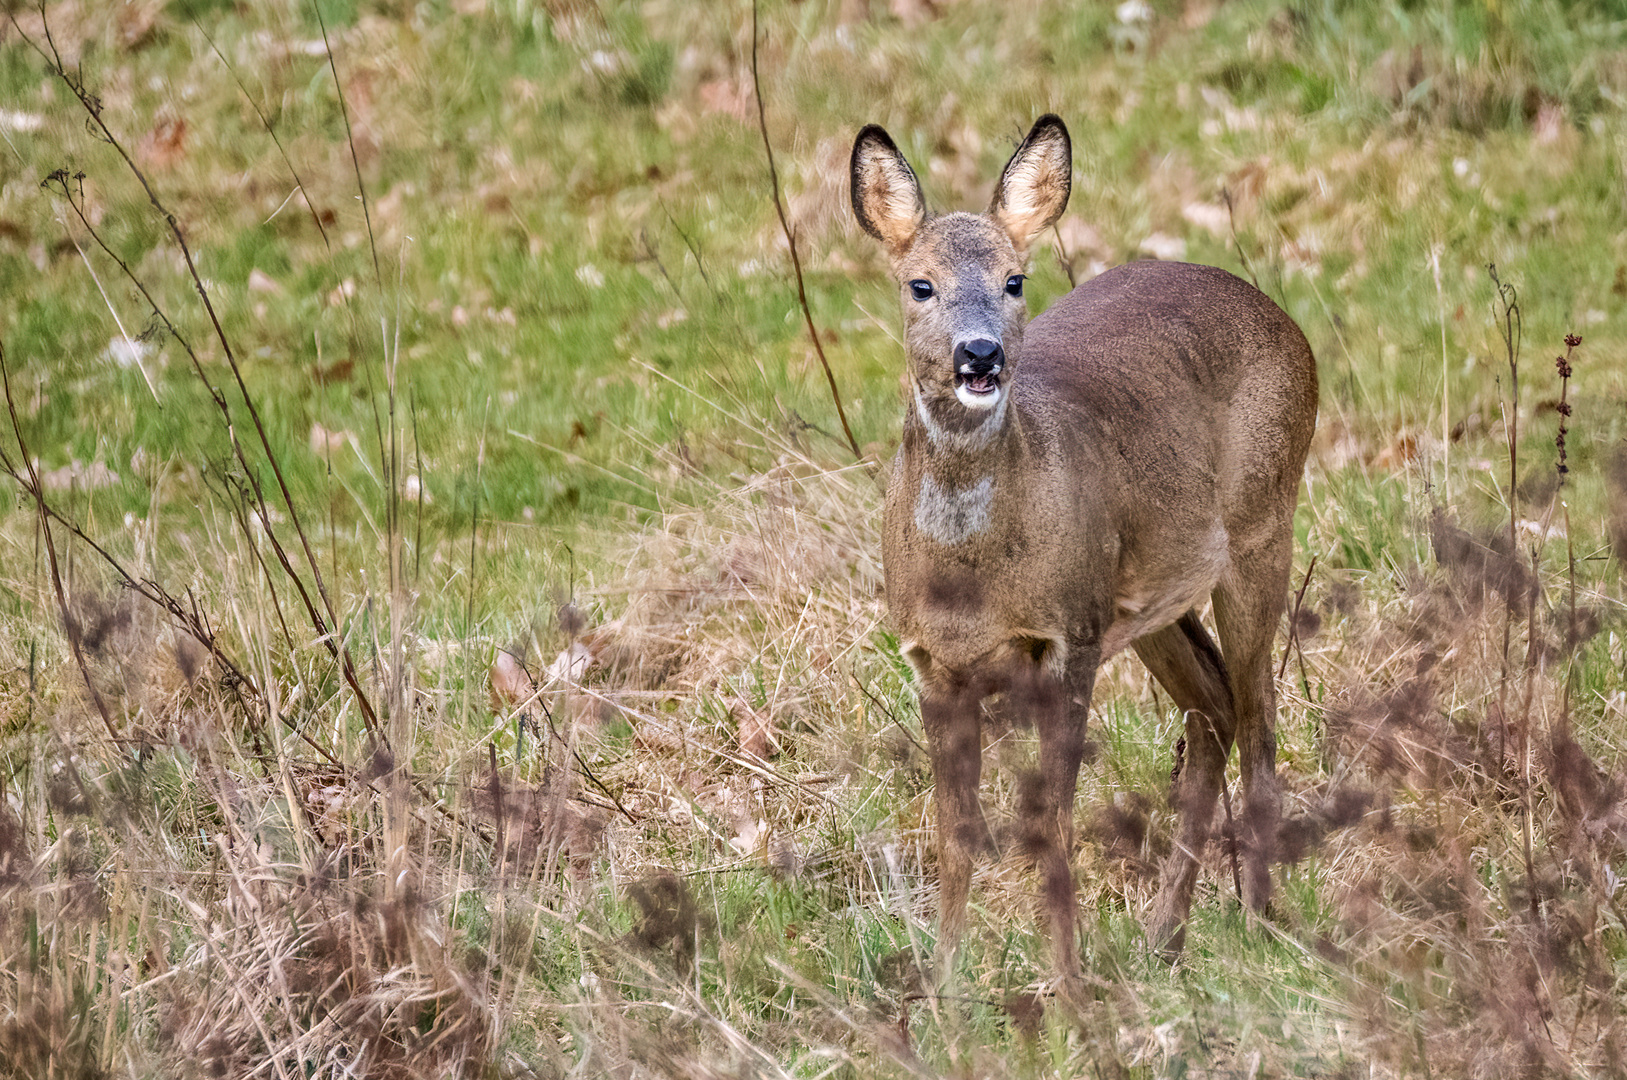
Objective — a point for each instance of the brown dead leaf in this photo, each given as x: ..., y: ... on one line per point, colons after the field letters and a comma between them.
x: 740, y: 808
x: 262, y: 282
x: 73, y: 25
x: 913, y: 13
x: 1247, y: 184
x: 754, y: 730
x: 138, y: 23
x: 510, y: 683
x: 539, y: 822
x: 1334, y: 446
x: 1195, y: 14
x: 727, y: 97
x: 1400, y: 453
x: 164, y: 146
x: 327, y: 808
x: 79, y: 476
x: 325, y: 441
x: 338, y: 371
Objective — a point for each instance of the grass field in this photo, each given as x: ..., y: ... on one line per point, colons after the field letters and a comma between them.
x: 456, y: 649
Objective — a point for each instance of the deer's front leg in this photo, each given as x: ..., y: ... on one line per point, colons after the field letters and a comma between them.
x: 1059, y: 705
x: 955, y: 741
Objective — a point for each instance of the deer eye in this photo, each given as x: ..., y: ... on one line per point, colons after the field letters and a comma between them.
x: 1014, y: 285
x: 921, y: 289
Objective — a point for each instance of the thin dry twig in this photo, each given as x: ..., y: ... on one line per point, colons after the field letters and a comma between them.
x: 36, y: 491
x: 791, y: 241
x: 326, y: 628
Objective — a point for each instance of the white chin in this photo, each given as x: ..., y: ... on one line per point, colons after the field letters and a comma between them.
x: 973, y: 400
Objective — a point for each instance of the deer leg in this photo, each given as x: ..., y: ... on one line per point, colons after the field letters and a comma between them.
x: 1061, y: 727
x: 1184, y: 659
x: 955, y: 741
x: 1248, y: 608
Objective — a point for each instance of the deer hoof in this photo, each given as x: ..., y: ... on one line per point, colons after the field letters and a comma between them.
x: 1167, y: 938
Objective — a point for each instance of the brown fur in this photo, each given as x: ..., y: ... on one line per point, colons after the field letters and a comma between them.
x: 1147, y: 458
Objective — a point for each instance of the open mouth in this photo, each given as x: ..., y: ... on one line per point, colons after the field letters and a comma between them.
x: 978, y: 390
x: 979, y: 385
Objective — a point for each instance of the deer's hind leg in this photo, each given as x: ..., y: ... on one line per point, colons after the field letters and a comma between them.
x: 1184, y: 659
x: 1248, y: 605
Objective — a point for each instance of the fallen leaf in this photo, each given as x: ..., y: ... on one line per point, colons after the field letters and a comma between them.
x: 323, y: 440
x: 1163, y: 246
x: 1398, y: 454
x: 79, y: 475
x: 571, y: 664
x: 137, y: 23
x: 1212, y: 216
x: 749, y: 831
x: 262, y: 282
x: 754, y: 730
x: 913, y: 13
x: 726, y: 97
x: 510, y: 684
x: 165, y: 145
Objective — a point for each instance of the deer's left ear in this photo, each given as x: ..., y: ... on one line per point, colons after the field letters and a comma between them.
x: 1033, y: 189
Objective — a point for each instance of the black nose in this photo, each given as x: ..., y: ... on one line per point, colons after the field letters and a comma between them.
x: 979, y: 357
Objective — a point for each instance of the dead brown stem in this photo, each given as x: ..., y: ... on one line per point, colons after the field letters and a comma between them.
x: 791, y: 241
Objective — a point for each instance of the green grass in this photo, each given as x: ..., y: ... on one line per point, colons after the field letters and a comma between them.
x: 566, y: 303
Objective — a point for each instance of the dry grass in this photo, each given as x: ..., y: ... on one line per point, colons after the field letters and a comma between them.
x: 717, y: 723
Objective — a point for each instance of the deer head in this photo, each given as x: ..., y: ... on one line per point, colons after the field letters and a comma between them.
x: 960, y: 275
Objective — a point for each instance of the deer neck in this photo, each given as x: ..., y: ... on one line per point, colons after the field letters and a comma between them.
x: 958, y: 472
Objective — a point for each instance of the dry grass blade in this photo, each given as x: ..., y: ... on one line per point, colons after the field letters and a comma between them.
x: 94, y: 109
x: 36, y: 491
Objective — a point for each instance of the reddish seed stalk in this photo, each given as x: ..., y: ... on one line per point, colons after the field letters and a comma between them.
x: 1563, y: 365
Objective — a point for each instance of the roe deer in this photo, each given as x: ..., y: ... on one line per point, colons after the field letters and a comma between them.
x: 1083, y: 486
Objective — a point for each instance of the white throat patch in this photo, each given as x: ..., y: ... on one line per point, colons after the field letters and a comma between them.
x: 994, y: 418
x: 953, y: 515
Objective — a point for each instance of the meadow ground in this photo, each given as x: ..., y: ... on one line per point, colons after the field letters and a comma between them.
x: 456, y: 648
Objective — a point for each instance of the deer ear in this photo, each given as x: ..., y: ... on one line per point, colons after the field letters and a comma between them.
x: 1033, y: 189
x: 886, y: 196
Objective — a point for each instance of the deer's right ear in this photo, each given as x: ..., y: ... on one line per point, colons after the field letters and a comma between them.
x: 886, y: 196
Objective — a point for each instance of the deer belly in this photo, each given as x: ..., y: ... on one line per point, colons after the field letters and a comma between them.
x: 1157, y: 595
